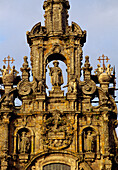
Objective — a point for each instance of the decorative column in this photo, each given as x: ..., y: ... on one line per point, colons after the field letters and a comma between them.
x: 106, y: 134
x: 4, y: 139
x: 6, y: 112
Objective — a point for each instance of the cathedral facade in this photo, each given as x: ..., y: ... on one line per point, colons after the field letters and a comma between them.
x: 57, y: 131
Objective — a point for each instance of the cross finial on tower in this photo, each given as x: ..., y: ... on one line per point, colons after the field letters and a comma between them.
x: 8, y: 60
x: 104, y: 58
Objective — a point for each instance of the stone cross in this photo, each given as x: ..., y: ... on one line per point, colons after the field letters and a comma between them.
x: 9, y: 59
x: 104, y: 58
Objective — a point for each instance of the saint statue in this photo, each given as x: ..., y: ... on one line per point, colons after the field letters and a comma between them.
x: 56, y: 74
x: 89, y: 142
x: 23, y: 143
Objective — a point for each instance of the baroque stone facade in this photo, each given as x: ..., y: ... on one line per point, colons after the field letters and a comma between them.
x: 54, y: 131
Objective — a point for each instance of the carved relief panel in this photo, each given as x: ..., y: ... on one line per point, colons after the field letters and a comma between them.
x: 57, y: 131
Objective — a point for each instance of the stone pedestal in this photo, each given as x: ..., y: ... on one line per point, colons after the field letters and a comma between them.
x: 40, y: 96
x: 86, y: 103
x: 8, y: 87
x: 89, y: 156
x: 23, y: 157
x: 71, y: 96
x: 56, y: 93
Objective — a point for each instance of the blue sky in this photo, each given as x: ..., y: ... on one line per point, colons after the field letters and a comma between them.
x: 98, y: 17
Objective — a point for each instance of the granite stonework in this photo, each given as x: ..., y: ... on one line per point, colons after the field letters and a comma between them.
x: 56, y: 131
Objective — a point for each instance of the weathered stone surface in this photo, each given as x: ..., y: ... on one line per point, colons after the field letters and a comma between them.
x: 58, y: 131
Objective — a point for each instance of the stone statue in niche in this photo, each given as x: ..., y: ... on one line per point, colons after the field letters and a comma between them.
x: 89, y: 141
x: 56, y: 74
x: 24, y: 143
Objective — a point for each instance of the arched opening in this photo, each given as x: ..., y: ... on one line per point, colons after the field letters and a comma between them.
x: 95, y: 101
x: 56, y: 56
x: 62, y: 65
x: 17, y: 102
x: 56, y: 166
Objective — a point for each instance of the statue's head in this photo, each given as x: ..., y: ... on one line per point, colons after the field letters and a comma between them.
x: 98, y: 65
x: 23, y: 134
x: 55, y: 63
x: 4, y: 67
x: 109, y: 65
x: 89, y: 132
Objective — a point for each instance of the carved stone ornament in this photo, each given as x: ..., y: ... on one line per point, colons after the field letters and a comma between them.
x: 8, y: 77
x: 57, y: 131
x: 72, y: 85
x: 104, y: 74
x: 116, y: 158
x: 56, y: 48
x: 89, y: 87
x: 24, y: 88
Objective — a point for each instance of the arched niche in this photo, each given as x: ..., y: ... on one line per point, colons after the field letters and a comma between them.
x: 93, y: 134
x: 89, y: 140
x: 56, y: 56
x: 62, y: 64
x: 23, y: 135
x: 51, y: 56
